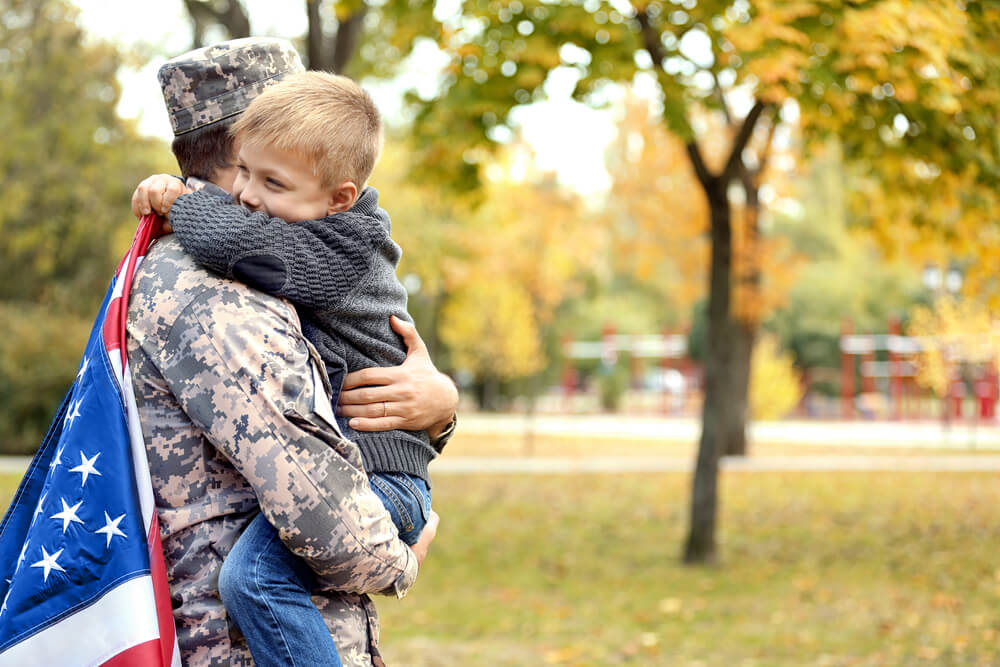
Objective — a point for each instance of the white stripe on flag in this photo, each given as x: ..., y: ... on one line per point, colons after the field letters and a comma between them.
x: 140, y: 465
x: 123, y: 618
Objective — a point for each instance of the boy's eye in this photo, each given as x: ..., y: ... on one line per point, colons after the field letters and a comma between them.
x: 275, y: 183
x: 242, y: 168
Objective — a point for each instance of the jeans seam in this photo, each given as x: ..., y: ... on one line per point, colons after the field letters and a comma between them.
x: 393, y: 497
x: 270, y: 609
x: 418, y: 495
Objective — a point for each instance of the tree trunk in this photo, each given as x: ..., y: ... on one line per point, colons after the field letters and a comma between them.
x: 315, y: 39
x: 348, y: 35
x: 332, y: 55
x: 736, y: 432
x: 745, y: 331
x: 230, y: 15
x: 719, y: 387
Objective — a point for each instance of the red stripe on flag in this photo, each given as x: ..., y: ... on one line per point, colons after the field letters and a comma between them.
x: 146, y: 654
x: 112, y: 336
x: 150, y: 227
x: 161, y: 593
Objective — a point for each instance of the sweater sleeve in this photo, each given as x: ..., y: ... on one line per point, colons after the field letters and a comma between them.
x: 314, y: 263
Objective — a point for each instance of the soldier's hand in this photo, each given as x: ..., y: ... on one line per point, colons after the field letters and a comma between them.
x: 414, y: 395
x: 426, y: 537
x: 157, y: 194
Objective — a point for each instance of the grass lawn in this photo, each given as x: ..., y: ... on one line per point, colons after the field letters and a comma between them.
x: 817, y: 569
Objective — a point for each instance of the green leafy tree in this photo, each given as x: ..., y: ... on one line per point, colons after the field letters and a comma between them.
x: 909, y: 88
x: 68, y: 164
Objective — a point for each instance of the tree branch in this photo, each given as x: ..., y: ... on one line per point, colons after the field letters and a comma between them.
x: 230, y: 16
x: 740, y: 142
x: 765, y: 154
x: 705, y: 177
x: 348, y: 33
x: 651, y: 38
x: 721, y: 96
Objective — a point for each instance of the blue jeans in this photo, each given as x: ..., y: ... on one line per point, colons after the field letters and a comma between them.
x: 266, y: 588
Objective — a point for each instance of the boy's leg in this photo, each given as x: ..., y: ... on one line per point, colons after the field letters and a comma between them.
x: 408, y: 499
x: 266, y: 590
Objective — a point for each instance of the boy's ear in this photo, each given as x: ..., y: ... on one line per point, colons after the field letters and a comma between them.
x: 342, y: 198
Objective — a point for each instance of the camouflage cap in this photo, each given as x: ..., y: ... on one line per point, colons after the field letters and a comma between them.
x: 206, y: 85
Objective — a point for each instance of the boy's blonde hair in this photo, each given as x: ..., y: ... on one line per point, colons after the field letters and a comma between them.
x: 327, y: 119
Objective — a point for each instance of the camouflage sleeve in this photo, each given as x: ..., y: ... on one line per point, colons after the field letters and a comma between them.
x: 241, y: 370
x: 314, y: 263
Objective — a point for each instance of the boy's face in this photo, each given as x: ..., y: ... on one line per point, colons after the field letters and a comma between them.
x: 283, y: 185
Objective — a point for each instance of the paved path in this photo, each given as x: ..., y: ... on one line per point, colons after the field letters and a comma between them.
x: 824, y: 433
x: 555, y: 465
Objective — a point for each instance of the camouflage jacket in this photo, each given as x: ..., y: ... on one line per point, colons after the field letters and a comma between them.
x: 236, y: 417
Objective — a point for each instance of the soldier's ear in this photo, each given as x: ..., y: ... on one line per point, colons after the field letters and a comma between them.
x: 342, y: 198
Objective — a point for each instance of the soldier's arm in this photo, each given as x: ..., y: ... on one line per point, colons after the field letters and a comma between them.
x: 315, y: 264
x: 241, y: 370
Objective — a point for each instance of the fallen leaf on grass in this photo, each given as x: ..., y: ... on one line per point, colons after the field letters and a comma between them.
x: 560, y: 655
x: 945, y: 601
x: 670, y: 605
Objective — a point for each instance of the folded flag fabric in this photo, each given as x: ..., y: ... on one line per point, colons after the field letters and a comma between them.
x: 82, y: 576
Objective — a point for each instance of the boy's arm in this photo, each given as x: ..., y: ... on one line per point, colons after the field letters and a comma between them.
x: 314, y: 263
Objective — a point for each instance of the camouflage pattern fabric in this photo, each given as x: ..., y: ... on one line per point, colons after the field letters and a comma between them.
x: 209, y: 84
x: 231, y: 402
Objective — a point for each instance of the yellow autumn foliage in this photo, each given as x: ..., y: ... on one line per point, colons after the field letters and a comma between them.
x: 490, y: 328
x: 954, y: 332
x: 775, y: 388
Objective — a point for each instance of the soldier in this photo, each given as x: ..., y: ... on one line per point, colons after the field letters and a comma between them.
x: 235, y: 409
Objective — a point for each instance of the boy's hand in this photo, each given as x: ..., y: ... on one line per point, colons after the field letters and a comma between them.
x: 157, y: 194
x: 426, y: 537
x: 414, y: 396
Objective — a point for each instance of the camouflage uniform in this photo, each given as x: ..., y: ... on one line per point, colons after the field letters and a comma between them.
x: 236, y: 417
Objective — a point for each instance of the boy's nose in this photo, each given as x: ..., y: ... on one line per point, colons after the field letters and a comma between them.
x: 249, y: 199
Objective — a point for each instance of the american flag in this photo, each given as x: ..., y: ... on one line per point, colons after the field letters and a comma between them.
x: 82, y: 577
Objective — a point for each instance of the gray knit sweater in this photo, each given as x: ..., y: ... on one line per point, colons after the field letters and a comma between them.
x: 339, y: 271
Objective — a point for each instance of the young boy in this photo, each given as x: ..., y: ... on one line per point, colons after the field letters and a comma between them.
x: 306, y: 149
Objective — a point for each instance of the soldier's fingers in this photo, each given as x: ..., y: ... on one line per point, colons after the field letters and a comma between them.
x: 411, y: 338
x: 376, y: 424
x: 377, y: 409
x: 368, y: 376
x: 368, y: 396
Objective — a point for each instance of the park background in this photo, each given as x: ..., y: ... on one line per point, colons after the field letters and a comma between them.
x: 716, y: 281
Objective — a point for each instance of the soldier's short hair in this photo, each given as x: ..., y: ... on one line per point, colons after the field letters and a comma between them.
x: 327, y: 119
x: 205, y: 151
x: 207, y: 88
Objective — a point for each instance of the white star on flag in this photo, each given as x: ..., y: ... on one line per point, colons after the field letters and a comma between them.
x: 86, y: 467
x: 38, y: 510
x: 68, y: 514
x: 73, y: 414
x: 20, y: 559
x: 57, y: 459
x: 83, y: 369
x: 111, y: 528
x: 49, y: 563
